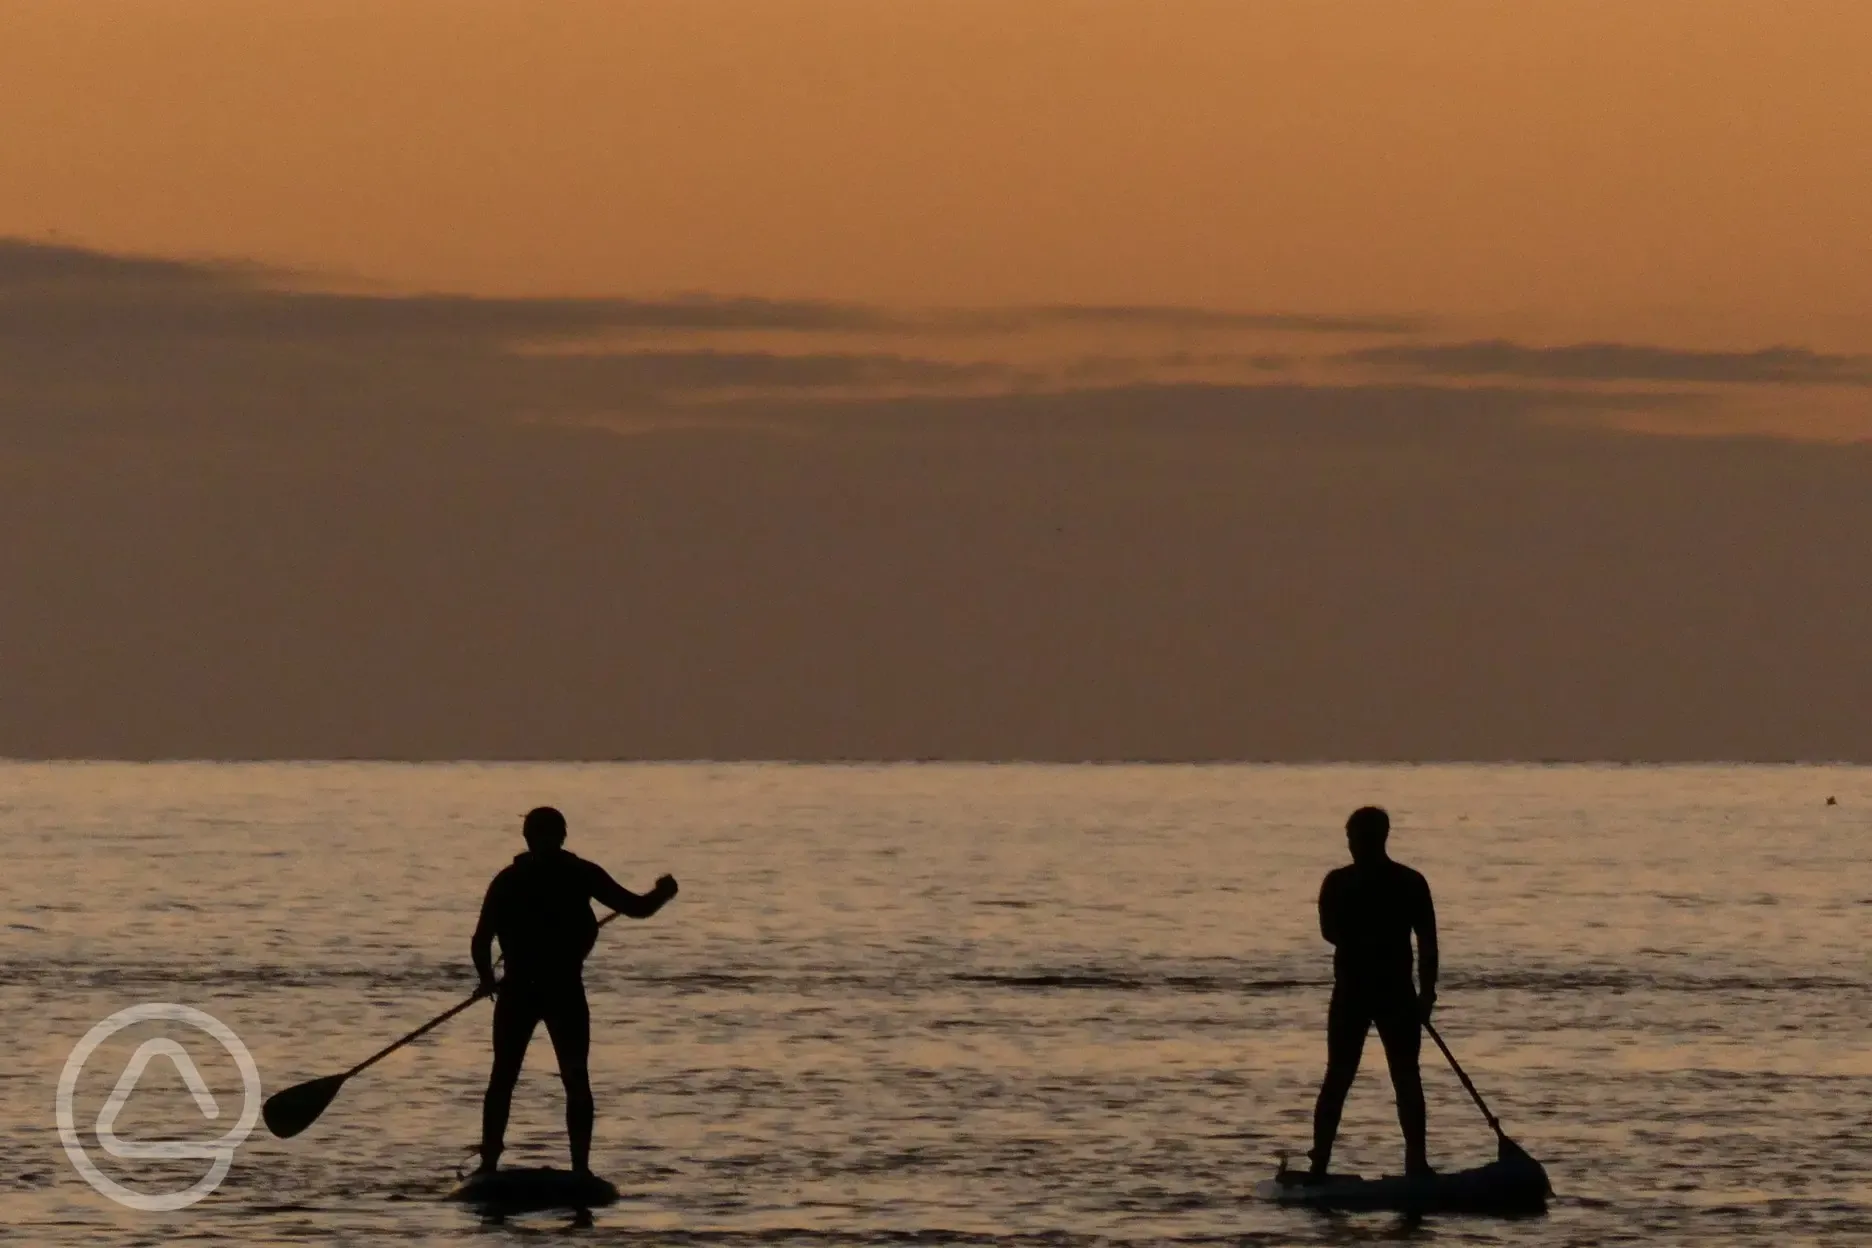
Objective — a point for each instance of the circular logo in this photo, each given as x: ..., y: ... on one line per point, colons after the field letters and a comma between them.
x: 218, y: 1153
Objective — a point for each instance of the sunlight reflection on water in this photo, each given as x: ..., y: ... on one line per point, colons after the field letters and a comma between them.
x: 967, y: 1004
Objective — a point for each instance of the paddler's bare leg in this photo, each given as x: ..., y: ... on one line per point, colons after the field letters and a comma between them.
x: 1401, y: 1030
x: 515, y: 1016
x: 1346, y: 1026
x: 568, y: 1022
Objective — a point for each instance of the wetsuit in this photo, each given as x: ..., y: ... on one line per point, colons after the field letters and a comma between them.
x: 1368, y: 911
x: 539, y: 908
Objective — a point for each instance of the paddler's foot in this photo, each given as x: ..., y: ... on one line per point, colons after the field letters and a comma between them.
x: 1314, y: 1173
x: 1418, y: 1169
x: 490, y: 1160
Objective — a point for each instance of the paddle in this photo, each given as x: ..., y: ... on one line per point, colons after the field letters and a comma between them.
x: 1507, y: 1147
x: 288, y: 1113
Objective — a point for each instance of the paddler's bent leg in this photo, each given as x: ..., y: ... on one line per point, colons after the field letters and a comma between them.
x: 1347, y: 1021
x: 515, y: 1016
x: 1400, y: 1028
x: 568, y: 1022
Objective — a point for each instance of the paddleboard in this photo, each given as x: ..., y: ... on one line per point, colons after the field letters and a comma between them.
x: 525, y: 1190
x: 1512, y: 1185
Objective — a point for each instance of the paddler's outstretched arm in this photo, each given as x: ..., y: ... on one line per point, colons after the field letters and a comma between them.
x: 608, y: 892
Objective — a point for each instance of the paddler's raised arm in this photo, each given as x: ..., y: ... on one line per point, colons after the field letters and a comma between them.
x: 608, y: 892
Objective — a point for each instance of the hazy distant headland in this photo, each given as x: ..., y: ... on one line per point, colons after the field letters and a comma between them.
x: 245, y: 519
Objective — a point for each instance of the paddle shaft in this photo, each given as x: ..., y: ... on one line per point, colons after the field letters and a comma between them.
x: 1493, y: 1122
x: 418, y: 1034
x: 437, y: 1021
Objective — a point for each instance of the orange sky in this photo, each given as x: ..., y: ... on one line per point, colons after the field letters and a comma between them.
x: 1694, y: 171
x: 1156, y: 379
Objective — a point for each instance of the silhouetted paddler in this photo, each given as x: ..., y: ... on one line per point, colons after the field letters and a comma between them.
x: 539, y: 908
x: 1368, y: 911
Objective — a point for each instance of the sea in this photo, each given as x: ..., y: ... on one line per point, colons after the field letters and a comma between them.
x: 999, y: 1005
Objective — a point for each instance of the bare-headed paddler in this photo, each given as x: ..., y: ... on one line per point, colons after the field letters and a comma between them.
x: 1368, y: 911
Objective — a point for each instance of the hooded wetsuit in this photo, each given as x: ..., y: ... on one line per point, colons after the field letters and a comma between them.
x: 539, y: 908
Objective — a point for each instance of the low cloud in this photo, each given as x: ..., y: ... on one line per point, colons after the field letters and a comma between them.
x: 102, y: 346
x: 48, y: 289
x: 1611, y: 361
x: 1142, y: 316
x: 250, y: 521
x: 701, y: 371
x: 92, y: 343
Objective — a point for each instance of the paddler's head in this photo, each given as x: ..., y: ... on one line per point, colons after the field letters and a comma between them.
x: 1366, y: 832
x: 544, y: 829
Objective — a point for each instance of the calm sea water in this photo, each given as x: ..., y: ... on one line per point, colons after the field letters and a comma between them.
x: 978, y: 1005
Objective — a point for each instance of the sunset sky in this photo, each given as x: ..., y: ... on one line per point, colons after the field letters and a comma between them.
x: 1684, y: 167
x: 784, y: 344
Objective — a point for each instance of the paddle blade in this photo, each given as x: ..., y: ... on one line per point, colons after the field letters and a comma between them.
x: 298, y: 1107
x: 1510, y: 1153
